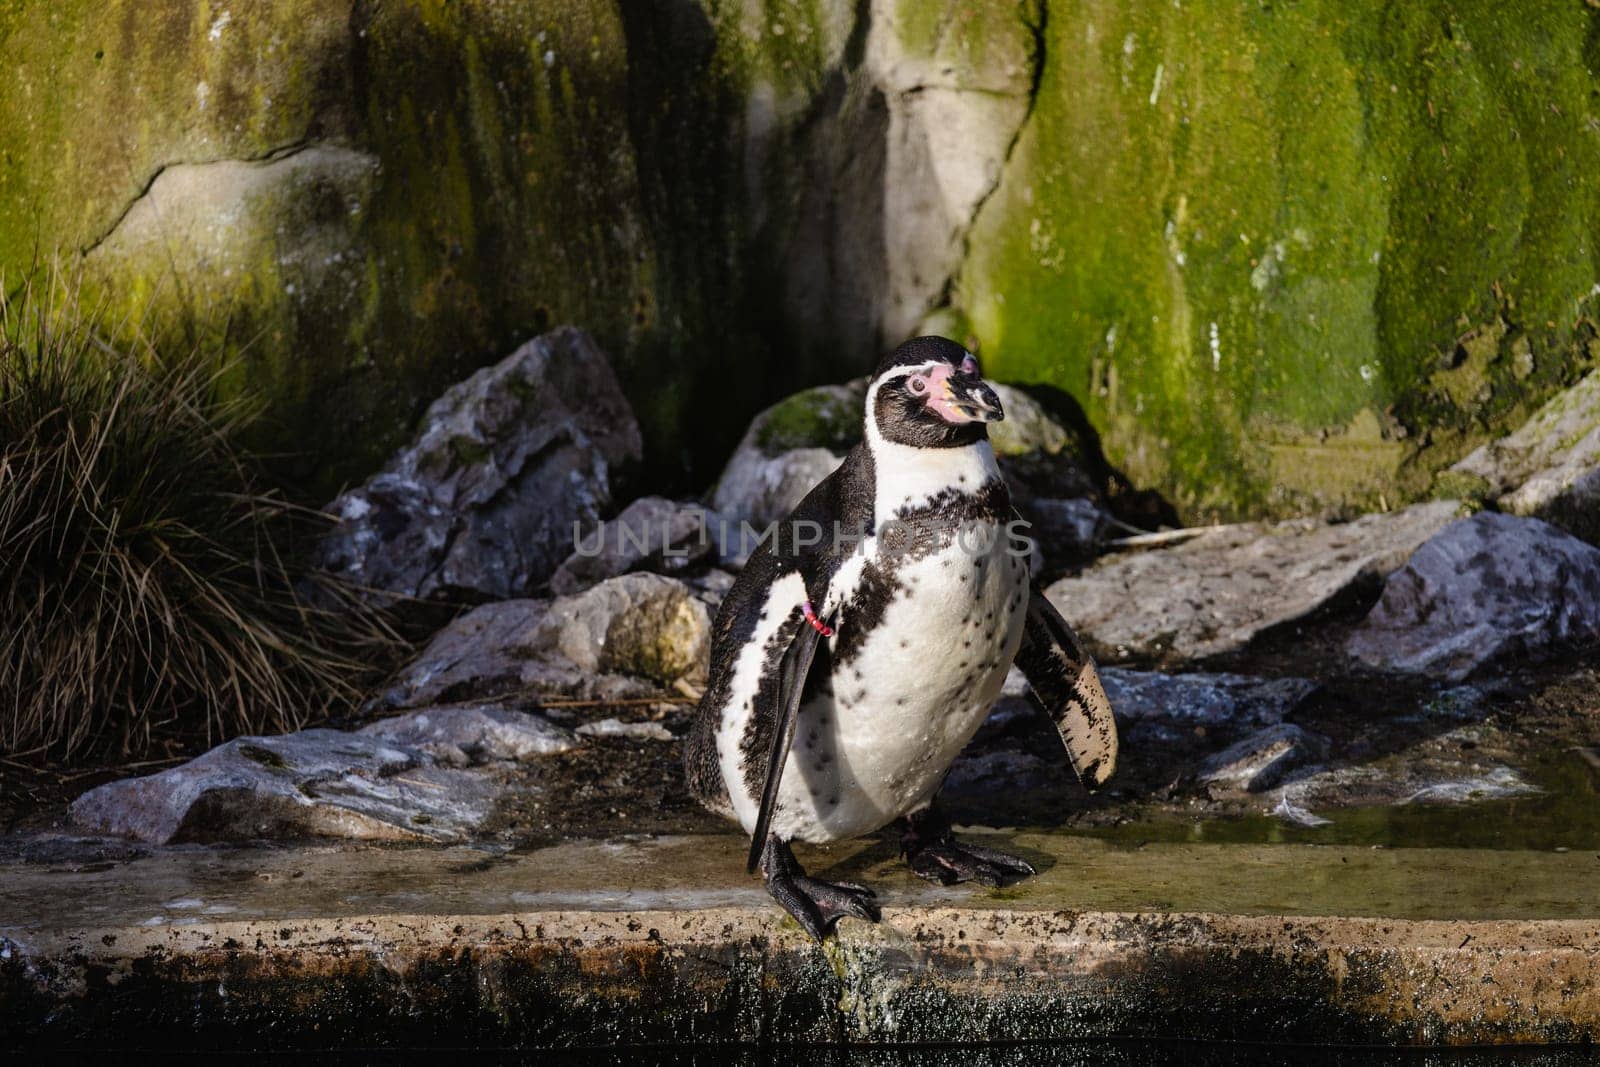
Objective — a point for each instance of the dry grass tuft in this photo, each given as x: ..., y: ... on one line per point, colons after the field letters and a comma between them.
x: 146, y: 584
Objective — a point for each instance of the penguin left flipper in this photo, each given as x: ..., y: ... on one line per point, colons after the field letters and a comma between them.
x: 1066, y: 685
x: 792, y: 671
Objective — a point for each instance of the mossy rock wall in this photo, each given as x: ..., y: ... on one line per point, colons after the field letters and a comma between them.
x: 363, y: 201
x: 1288, y: 256
x: 1298, y: 254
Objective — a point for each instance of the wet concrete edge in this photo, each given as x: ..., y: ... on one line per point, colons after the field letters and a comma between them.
x: 737, y: 975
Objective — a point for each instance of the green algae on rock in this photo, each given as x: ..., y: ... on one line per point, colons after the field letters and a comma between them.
x: 1250, y: 239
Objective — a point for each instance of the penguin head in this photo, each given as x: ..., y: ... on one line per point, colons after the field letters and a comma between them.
x: 928, y: 394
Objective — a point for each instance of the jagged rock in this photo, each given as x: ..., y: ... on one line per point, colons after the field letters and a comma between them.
x: 1550, y: 467
x: 797, y: 442
x: 1486, y: 588
x: 1203, y: 699
x: 1215, y: 593
x: 1261, y: 760
x: 626, y: 637
x: 507, y: 464
x: 651, y: 534
x: 475, y: 733
x: 427, y: 776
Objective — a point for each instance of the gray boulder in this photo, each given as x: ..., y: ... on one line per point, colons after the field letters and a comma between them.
x: 1216, y: 592
x: 627, y: 637
x: 1550, y: 467
x: 429, y: 776
x: 651, y: 534
x: 507, y: 464
x: 1484, y: 589
x: 788, y: 449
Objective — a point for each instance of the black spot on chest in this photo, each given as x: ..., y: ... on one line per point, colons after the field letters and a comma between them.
x: 914, y: 534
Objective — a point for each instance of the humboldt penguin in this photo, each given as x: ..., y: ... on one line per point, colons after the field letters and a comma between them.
x: 869, y: 635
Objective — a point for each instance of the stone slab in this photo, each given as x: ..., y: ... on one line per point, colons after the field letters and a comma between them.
x: 666, y: 942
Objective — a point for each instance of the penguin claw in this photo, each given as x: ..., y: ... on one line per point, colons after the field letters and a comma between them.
x: 948, y: 863
x: 816, y: 905
x: 936, y: 855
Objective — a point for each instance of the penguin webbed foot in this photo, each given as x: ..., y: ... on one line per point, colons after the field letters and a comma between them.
x: 933, y: 852
x: 816, y: 905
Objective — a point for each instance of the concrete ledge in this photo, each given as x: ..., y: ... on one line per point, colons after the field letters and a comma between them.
x: 987, y: 969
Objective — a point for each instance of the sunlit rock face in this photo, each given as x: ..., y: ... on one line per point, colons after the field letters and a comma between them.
x: 1218, y: 592
x: 1549, y: 468
x: 1287, y: 258
x: 1491, y: 589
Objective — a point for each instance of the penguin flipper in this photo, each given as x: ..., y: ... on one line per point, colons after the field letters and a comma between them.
x: 792, y: 671
x: 1066, y: 685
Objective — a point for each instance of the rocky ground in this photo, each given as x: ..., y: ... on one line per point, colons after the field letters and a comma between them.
x: 1425, y: 675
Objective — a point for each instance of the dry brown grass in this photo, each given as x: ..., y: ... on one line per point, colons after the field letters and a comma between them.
x: 147, y: 584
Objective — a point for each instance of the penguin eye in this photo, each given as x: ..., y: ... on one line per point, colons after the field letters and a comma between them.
x: 918, y: 386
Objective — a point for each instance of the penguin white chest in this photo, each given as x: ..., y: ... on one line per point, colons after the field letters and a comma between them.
x: 937, y: 633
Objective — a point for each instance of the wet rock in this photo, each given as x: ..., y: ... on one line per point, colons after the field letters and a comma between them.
x: 1400, y: 780
x: 1484, y: 589
x: 1497, y: 784
x: 1215, y: 593
x: 1550, y: 467
x: 651, y: 534
x: 638, y: 731
x: 1158, y: 709
x: 1203, y: 699
x: 626, y: 637
x: 507, y: 463
x: 1261, y: 760
x: 328, y: 783
x: 802, y: 439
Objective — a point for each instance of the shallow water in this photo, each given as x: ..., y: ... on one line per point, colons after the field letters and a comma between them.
x: 1565, y: 816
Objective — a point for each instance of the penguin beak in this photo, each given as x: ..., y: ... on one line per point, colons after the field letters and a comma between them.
x: 961, y: 396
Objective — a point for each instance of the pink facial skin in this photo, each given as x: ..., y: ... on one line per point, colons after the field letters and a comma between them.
x: 944, y: 397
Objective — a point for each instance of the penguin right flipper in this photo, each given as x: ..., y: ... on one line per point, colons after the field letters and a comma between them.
x: 792, y: 671
x: 1066, y: 685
